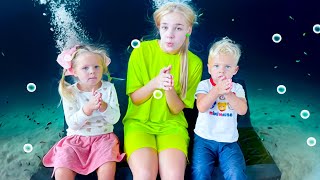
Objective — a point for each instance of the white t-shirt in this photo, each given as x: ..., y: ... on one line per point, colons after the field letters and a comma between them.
x: 219, y: 123
x: 99, y: 122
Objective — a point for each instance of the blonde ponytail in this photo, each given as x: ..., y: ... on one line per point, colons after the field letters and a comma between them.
x: 184, y: 68
x: 63, y: 88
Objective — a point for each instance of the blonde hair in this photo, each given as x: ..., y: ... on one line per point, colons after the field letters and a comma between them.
x: 63, y: 89
x: 225, y: 46
x: 191, y: 19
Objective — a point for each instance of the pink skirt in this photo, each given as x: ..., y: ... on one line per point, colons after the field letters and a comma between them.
x: 83, y: 154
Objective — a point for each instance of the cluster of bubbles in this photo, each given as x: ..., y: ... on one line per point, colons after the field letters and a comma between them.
x: 158, y: 3
x: 42, y: 2
x: 67, y: 30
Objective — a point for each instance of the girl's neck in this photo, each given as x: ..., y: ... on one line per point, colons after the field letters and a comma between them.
x: 84, y: 88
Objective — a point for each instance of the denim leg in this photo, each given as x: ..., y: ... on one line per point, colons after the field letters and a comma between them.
x: 203, y: 159
x: 232, y: 163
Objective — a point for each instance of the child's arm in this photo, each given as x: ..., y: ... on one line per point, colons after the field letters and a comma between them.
x: 110, y: 107
x: 75, y: 117
x: 144, y: 93
x: 237, y: 103
x: 174, y: 102
x: 205, y: 101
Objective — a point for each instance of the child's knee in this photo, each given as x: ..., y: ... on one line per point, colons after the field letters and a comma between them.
x: 64, y: 172
x: 107, y: 170
x: 235, y: 173
x: 201, y: 171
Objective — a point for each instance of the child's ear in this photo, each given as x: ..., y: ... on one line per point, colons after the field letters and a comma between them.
x: 190, y: 30
x: 236, y: 70
x: 208, y: 69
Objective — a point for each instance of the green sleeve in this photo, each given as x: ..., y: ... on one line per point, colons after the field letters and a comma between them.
x: 134, y: 73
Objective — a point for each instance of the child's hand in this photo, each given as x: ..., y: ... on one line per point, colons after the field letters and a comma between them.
x: 224, y: 85
x: 165, y: 80
x: 96, y: 99
x: 94, y: 102
x: 100, y: 104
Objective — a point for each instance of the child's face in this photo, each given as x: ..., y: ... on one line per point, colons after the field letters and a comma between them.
x: 222, y: 65
x: 88, y: 69
x: 173, y: 29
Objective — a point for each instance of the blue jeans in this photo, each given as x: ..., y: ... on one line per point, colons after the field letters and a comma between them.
x: 207, y: 153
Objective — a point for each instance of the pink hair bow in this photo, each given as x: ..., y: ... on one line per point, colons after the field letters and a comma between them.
x: 65, y: 58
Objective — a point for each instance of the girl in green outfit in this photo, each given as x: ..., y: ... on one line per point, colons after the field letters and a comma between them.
x: 155, y: 128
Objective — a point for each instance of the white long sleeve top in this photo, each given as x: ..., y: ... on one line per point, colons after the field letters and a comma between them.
x: 99, y: 122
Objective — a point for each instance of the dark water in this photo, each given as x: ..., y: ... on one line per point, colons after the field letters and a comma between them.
x: 30, y: 52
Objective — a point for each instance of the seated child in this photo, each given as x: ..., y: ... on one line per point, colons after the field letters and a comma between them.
x: 219, y: 100
x: 90, y: 108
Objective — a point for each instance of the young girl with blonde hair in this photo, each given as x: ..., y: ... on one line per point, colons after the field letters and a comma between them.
x: 161, y: 81
x: 91, y: 109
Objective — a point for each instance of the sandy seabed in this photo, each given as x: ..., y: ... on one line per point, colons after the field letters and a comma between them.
x: 275, y: 117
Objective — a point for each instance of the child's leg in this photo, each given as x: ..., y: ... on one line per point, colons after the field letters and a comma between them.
x: 144, y: 164
x: 172, y: 164
x: 107, y: 171
x: 173, y: 150
x: 142, y: 155
x: 232, y: 162
x: 64, y: 174
x: 203, y: 158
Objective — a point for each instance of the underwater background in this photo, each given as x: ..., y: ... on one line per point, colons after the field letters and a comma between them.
x: 33, y: 32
